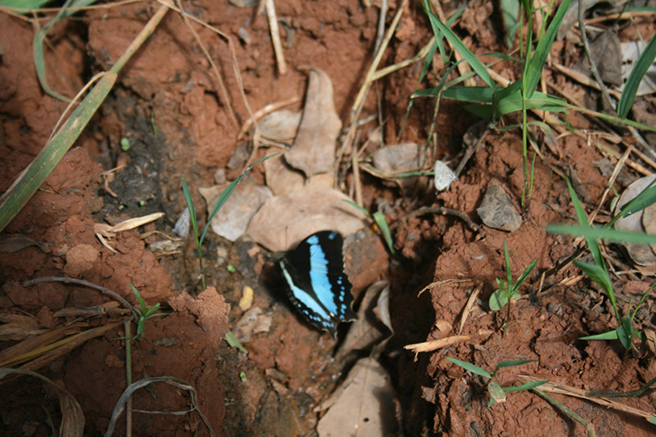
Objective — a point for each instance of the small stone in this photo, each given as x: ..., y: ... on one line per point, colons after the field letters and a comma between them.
x: 497, y: 211
x: 80, y: 259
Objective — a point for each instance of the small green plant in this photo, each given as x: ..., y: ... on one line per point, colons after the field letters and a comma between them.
x: 497, y: 393
x: 223, y: 198
x: 144, y: 312
x: 597, y: 271
x: 492, y: 101
x: 508, y: 289
x: 381, y: 223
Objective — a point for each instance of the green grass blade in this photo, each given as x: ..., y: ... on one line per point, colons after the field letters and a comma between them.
x: 223, y: 198
x: 37, y: 47
x: 473, y: 94
x: 583, y: 221
x: 358, y: 207
x: 140, y: 299
x: 597, y: 274
x: 33, y: 176
x: 610, y: 335
x: 233, y: 342
x: 642, y: 300
x: 441, y: 28
x: 527, y: 386
x: 527, y: 271
x: 20, y: 192
x: 639, y: 70
x: 379, y: 218
x: 605, y: 234
x: 470, y: 367
x: 190, y: 205
x: 23, y: 5
x: 513, y: 363
x: 534, y: 68
x: 646, y: 198
x: 510, y: 17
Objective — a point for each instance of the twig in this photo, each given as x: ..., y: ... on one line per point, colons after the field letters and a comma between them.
x: 272, y: 107
x: 358, y: 104
x: 593, y: 64
x: 84, y: 283
x: 199, y: 41
x: 275, y: 36
x: 231, y: 46
x: 128, y: 377
x: 444, y: 211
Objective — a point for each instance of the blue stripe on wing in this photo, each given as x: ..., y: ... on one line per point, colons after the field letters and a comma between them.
x: 316, y: 281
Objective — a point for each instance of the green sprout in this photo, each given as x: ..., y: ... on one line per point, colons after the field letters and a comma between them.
x: 144, y: 312
x: 381, y: 223
x: 497, y: 393
x: 223, y: 198
x: 597, y: 271
x: 508, y: 289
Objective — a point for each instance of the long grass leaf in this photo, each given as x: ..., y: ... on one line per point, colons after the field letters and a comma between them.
x: 23, y: 188
x: 470, y: 367
x: 647, y: 197
x: 605, y: 234
x: 583, y: 221
x: 526, y: 386
x: 441, y: 28
x: 190, y: 206
x: 639, y: 70
x: 534, y: 68
x: 33, y: 176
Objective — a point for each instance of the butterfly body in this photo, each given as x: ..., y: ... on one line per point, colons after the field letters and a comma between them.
x: 316, y: 282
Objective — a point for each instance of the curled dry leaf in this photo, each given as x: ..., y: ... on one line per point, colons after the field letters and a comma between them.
x: 282, y: 179
x: 283, y: 221
x: 280, y: 126
x: 391, y: 161
x: 18, y: 327
x: 363, y: 405
x: 314, y: 149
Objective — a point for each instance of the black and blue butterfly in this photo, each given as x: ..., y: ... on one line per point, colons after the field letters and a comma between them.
x: 316, y: 282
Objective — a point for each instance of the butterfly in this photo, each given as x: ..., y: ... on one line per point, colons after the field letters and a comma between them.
x: 316, y: 282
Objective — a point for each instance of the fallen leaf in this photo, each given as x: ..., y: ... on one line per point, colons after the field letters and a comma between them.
x: 283, y: 221
x: 363, y: 405
x: 280, y: 126
x: 232, y: 220
x: 314, y: 148
x: 391, y: 161
x: 374, y: 325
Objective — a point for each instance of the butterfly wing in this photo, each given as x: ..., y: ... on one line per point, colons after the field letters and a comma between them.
x: 317, y: 283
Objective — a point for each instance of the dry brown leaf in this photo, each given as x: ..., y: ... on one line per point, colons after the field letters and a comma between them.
x: 363, y: 406
x: 373, y: 326
x: 284, y: 221
x: 280, y: 126
x: 314, y: 149
x: 232, y: 220
x: 18, y: 327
